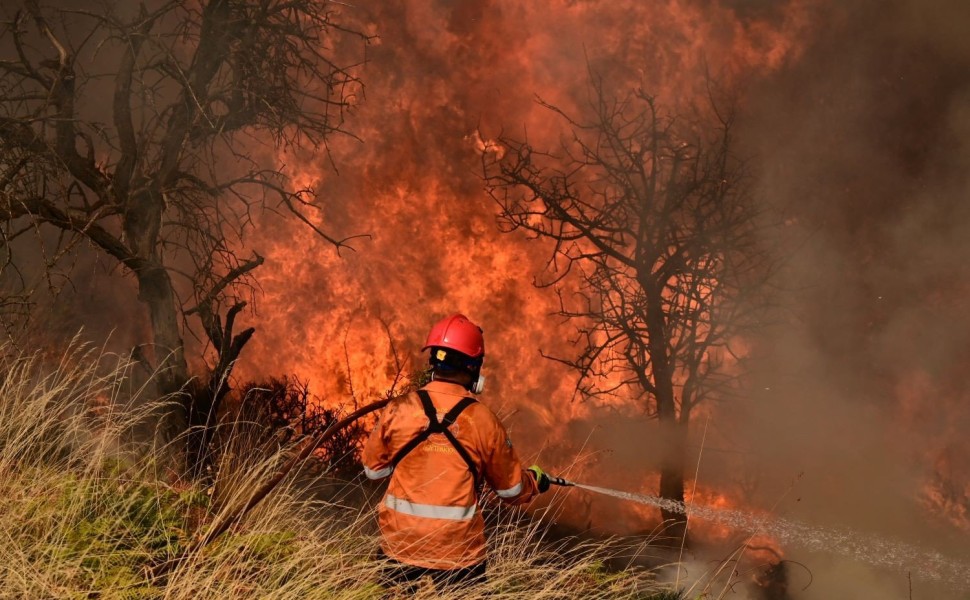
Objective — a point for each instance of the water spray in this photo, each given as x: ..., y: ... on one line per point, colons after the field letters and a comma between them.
x: 869, y: 548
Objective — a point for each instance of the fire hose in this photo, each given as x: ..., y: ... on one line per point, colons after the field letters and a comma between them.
x: 234, y: 516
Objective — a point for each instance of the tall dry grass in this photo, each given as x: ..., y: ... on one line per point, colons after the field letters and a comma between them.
x: 87, y: 509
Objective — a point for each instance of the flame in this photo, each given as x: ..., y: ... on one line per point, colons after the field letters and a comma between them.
x: 435, y: 82
x: 942, y: 447
x: 442, y: 81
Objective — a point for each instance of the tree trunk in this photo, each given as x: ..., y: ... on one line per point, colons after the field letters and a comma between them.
x: 155, y: 289
x: 673, y: 432
x: 672, y: 478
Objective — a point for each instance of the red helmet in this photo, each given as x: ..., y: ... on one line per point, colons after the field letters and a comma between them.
x: 457, y: 333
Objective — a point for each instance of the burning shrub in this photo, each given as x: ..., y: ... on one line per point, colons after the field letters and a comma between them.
x: 280, y: 412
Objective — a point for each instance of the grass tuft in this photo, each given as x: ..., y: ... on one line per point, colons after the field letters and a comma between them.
x: 87, y: 512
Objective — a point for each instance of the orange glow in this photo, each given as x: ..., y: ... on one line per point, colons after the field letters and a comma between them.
x: 441, y: 82
x: 943, y: 447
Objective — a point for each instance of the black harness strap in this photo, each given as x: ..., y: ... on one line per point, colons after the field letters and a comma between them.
x: 434, y: 426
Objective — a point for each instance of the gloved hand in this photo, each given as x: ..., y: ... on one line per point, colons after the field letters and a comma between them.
x: 542, y: 480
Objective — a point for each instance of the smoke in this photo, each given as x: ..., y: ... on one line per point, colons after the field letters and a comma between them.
x: 863, y: 147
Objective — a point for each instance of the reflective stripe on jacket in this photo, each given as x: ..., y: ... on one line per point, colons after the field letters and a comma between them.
x: 429, y: 516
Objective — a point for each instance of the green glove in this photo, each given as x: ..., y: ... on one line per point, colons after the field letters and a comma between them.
x: 542, y: 480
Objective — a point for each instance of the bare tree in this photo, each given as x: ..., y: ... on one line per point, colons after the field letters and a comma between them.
x: 152, y: 135
x: 654, y: 231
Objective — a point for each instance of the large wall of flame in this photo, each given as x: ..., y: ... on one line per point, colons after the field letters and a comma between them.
x: 439, y: 73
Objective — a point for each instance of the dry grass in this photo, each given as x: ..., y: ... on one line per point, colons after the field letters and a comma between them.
x: 85, y: 511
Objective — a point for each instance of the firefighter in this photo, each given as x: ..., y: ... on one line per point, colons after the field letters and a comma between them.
x: 438, y: 445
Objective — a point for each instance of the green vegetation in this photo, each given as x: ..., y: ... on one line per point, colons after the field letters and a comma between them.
x: 88, y: 512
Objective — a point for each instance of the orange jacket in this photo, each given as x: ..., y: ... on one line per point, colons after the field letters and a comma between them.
x: 429, y: 516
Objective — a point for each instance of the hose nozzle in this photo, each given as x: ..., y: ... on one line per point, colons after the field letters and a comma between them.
x: 560, y: 481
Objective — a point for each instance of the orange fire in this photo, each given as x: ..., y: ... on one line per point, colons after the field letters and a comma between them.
x: 441, y: 80
x: 437, y: 78
x: 943, y: 446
